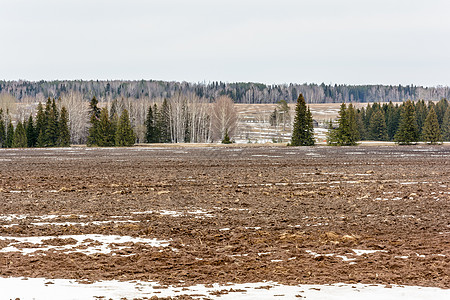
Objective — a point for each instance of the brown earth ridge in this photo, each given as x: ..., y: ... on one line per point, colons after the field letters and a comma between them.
x: 238, y: 214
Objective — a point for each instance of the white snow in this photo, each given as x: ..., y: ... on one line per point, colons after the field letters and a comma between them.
x: 89, y: 243
x: 56, y: 289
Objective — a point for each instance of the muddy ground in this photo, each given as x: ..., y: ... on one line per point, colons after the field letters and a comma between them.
x: 238, y: 214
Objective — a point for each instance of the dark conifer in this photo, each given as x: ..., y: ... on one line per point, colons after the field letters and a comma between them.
x: 445, y: 128
x: 9, y: 134
x: 31, y: 132
x: 2, y: 130
x: 64, y: 132
x: 124, y: 135
x: 431, y: 132
x: 150, y: 134
x: 407, y: 133
x: 303, y: 131
x: 20, y: 137
x: 378, y: 129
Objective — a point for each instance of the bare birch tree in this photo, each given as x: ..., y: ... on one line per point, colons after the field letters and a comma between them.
x: 78, y: 110
x: 224, y: 118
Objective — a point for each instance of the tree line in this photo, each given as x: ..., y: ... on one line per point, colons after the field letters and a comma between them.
x: 49, y: 128
x: 239, y: 92
x: 404, y: 124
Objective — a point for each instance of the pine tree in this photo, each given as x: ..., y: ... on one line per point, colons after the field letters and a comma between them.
x: 346, y: 134
x: 64, y: 132
x: 9, y: 134
x: 377, y: 128
x: 392, y: 120
x: 407, y: 132
x: 303, y: 131
x: 31, y: 132
x: 353, y: 133
x: 124, y: 136
x: 431, y: 132
x: 20, y: 137
x: 2, y: 130
x: 445, y: 128
x: 421, y: 112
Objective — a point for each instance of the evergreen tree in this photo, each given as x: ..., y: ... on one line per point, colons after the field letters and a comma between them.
x: 41, y: 122
x: 20, y: 137
x: 163, y: 123
x: 407, y: 132
x: 421, y: 112
x: 64, y: 132
x: 431, y: 132
x: 31, y: 132
x: 95, y: 111
x: 360, y: 124
x: 9, y: 134
x: 40, y: 142
x: 353, y: 132
x: 226, y: 138
x: 104, y: 133
x: 52, y: 126
x: 446, y: 125
x: 441, y: 108
x: 303, y: 131
x: 347, y: 133
x: 150, y: 134
x: 2, y: 130
x: 378, y: 129
x: 124, y: 135
x: 392, y: 120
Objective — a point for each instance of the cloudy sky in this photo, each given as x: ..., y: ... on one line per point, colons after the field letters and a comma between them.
x: 283, y: 41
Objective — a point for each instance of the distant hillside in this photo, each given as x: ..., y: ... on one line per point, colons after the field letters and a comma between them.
x: 240, y: 92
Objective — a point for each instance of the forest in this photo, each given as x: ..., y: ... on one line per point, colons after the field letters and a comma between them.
x: 239, y: 92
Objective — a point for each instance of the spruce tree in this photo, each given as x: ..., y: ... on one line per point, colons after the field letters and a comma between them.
x: 40, y: 142
x: 445, y: 128
x: 347, y: 133
x: 2, y: 130
x: 163, y: 124
x: 377, y: 128
x: 31, y: 132
x: 303, y: 131
x: 64, y: 132
x: 124, y: 135
x: 20, y: 137
x: 104, y: 134
x: 9, y: 134
x: 407, y: 132
x: 392, y: 120
x: 353, y: 132
x: 150, y: 135
x: 431, y: 132
x: 40, y: 124
x: 95, y: 110
x: 226, y: 138
x: 52, y: 126
x: 421, y: 112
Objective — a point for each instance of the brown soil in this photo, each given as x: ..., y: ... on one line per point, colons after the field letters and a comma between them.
x: 272, y: 213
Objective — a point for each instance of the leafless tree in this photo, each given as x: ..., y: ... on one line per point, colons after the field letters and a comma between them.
x: 78, y: 110
x: 224, y: 118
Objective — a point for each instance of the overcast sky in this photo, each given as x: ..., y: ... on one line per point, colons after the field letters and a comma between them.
x: 282, y: 41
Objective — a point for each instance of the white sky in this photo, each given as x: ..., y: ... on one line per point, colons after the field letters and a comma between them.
x: 282, y: 41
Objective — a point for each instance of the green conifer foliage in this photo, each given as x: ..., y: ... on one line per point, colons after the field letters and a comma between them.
x: 347, y: 133
x: 392, y: 120
x: 163, y: 123
x: 64, y: 132
x: 40, y: 122
x: 303, y: 131
x: 52, y: 126
x: 2, y: 130
x: 226, y: 138
x: 407, y: 132
x: 378, y: 129
x: 446, y: 125
x: 421, y: 112
x: 431, y: 132
x: 124, y: 135
x: 31, y: 132
x: 20, y: 137
x: 9, y: 134
x: 441, y: 108
x: 150, y: 134
x: 104, y: 133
